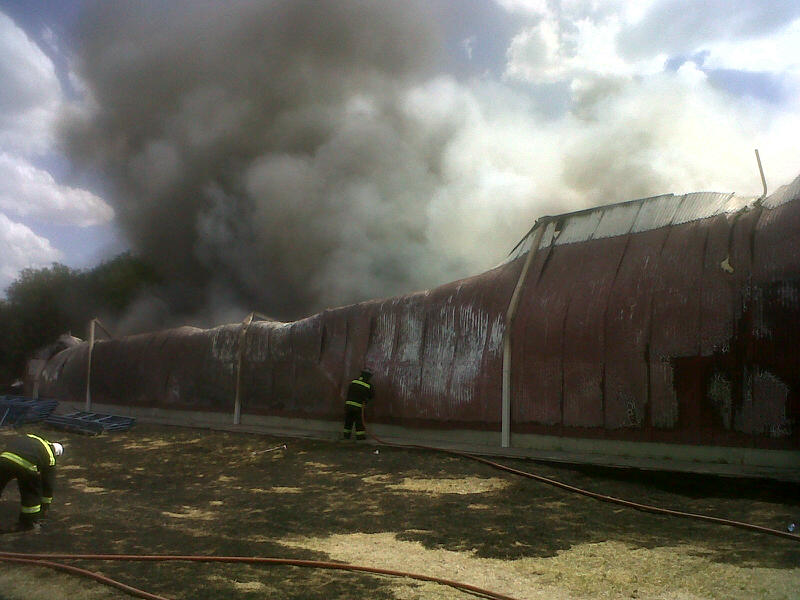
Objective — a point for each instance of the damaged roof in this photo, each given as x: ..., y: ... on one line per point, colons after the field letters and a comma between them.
x: 644, y: 214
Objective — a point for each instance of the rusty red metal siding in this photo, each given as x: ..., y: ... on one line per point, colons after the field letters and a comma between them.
x: 644, y: 321
x: 662, y: 335
x: 405, y: 357
x: 774, y: 310
x: 256, y: 381
x: 719, y: 298
x: 584, y: 330
x: 627, y: 330
x: 675, y: 320
x: 717, y: 290
x: 312, y: 390
x: 360, y: 320
x: 439, y: 353
x: 537, y: 343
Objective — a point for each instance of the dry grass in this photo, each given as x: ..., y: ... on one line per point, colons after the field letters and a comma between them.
x: 463, y: 485
x: 183, y: 491
x: 606, y: 569
x: 35, y: 583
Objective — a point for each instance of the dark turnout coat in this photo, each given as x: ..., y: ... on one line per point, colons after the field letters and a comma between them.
x: 359, y: 393
x: 31, y: 461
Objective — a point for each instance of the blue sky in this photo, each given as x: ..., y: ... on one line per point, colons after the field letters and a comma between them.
x: 530, y: 107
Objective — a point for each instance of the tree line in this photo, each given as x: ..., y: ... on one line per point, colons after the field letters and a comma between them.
x: 41, y: 304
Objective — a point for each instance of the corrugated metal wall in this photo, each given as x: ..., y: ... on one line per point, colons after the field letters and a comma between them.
x: 671, y: 319
x: 674, y: 333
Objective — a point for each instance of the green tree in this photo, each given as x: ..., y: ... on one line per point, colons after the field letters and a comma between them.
x: 41, y: 304
x: 115, y: 284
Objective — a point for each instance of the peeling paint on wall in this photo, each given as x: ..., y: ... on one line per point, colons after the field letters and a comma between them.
x: 668, y: 319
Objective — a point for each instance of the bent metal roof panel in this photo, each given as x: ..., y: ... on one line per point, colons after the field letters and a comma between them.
x: 645, y: 214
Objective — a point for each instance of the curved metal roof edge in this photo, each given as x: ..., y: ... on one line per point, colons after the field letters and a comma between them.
x: 645, y: 214
x: 785, y: 193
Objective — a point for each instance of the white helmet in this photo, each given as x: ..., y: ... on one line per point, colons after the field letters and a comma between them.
x: 58, y: 449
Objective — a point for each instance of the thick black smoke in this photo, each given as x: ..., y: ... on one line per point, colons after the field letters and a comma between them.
x: 269, y: 155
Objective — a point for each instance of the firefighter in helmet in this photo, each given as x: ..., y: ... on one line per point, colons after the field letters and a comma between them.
x: 359, y: 393
x: 31, y: 460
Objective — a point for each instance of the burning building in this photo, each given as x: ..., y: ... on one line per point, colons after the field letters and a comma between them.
x: 661, y: 328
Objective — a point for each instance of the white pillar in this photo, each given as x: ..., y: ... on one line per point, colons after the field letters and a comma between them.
x: 505, y: 416
x: 88, y: 406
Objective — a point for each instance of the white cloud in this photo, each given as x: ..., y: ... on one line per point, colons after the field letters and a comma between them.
x: 468, y: 44
x: 777, y: 53
x: 533, y: 7
x: 50, y: 38
x: 31, y: 99
x: 27, y: 191
x: 21, y: 248
x: 682, y: 26
x: 535, y: 54
x: 582, y: 38
x: 555, y: 49
x: 576, y: 10
x: 30, y: 94
x: 631, y: 127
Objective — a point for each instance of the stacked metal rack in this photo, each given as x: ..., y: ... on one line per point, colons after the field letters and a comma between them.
x: 19, y: 410
x: 89, y: 422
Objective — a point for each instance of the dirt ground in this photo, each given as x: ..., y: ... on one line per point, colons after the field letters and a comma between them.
x: 170, y: 490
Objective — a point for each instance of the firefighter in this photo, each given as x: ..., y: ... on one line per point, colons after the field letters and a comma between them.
x: 31, y: 460
x: 358, y: 394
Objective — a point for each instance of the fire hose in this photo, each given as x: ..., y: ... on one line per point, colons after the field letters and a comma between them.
x: 597, y: 496
x: 34, y: 560
x: 45, y: 560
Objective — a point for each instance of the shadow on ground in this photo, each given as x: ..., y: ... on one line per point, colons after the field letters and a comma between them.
x: 163, y: 490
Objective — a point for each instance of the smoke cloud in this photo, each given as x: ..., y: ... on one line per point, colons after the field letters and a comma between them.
x: 271, y: 155
x: 291, y: 155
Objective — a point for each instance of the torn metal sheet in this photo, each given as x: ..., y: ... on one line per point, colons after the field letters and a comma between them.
x: 617, y: 220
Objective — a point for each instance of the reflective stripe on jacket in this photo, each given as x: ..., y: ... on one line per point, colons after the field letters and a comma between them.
x: 47, y: 448
x: 25, y: 464
x: 359, y: 393
x: 35, y: 455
